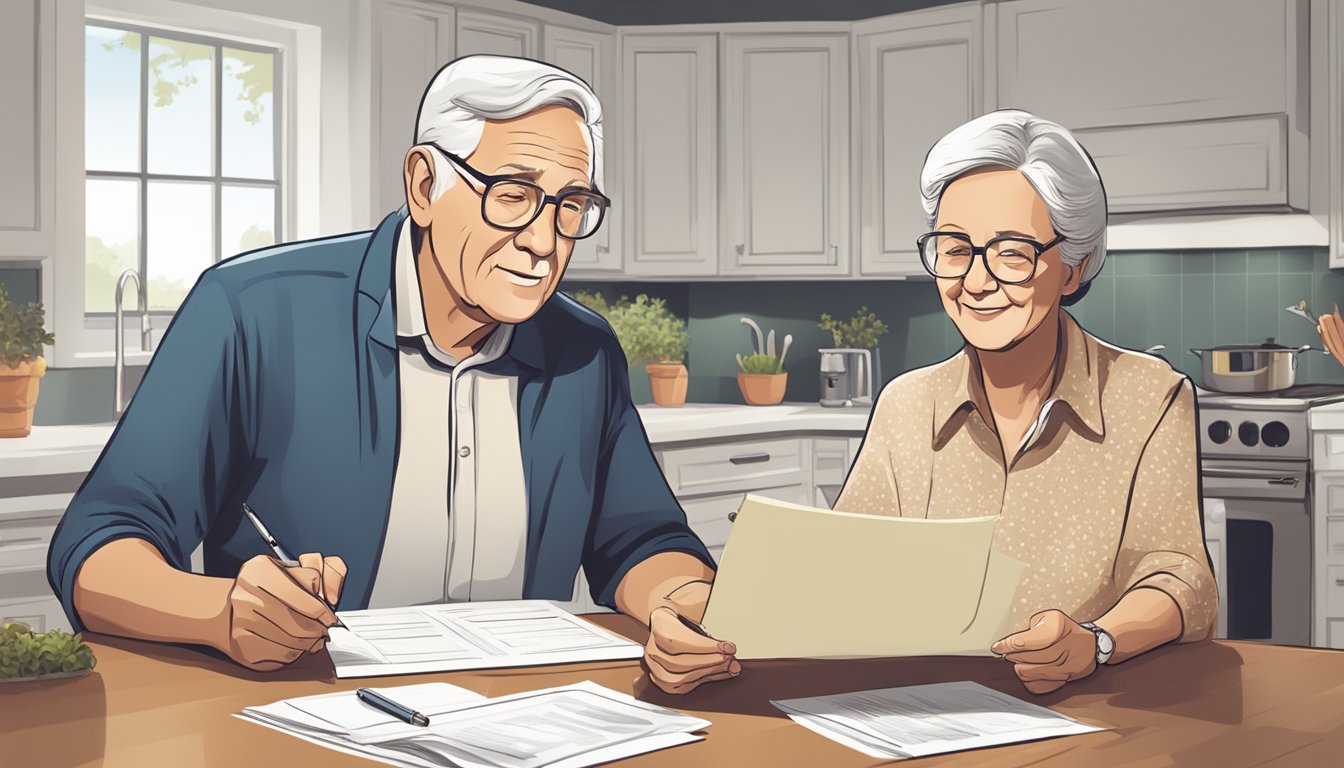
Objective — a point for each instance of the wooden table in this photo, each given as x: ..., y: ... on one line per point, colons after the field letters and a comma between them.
x: 1217, y: 704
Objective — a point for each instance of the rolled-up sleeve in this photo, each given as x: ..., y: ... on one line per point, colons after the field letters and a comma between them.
x: 1162, y: 546
x: 164, y: 472
x: 636, y: 514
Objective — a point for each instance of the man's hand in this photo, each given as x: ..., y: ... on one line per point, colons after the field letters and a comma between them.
x: 1331, y: 329
x: 273, y: 614
x: 679, y: 658
x: 1052, y: 651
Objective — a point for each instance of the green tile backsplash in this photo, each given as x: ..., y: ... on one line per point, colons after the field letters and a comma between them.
x: 1181, y: 299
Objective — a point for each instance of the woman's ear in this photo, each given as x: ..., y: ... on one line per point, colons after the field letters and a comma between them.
x: 1073, y: 277
x: 419, y: 179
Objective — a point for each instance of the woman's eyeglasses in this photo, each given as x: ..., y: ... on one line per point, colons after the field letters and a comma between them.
x: 1010, y: 260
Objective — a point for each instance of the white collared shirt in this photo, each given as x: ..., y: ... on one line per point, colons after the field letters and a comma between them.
x: 457, y: 527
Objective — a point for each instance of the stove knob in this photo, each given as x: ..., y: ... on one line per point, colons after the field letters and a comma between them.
x: 1249, y: 433
x: 1220, y: 432
x: 1275, y: 434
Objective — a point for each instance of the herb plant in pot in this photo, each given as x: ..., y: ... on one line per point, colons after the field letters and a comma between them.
x: 862, y: 331
x: 761, y: 375
x: 650, y: 333
x: 21, y: 364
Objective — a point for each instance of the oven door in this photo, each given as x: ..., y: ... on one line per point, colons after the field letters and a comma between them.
x: 1266, y: 549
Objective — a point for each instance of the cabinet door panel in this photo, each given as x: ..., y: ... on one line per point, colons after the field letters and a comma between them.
x: 501, y: 35
x: 786, y: 155
x: 670, y: 119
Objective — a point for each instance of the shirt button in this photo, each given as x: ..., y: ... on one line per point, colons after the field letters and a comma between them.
x: 464, y: 451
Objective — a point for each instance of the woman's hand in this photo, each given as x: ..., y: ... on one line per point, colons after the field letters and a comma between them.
x: 1054, y: 650
x: 1331, y: 329
x: 678, y: 657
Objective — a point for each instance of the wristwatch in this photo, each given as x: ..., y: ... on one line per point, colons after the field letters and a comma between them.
x: 1105, y: 643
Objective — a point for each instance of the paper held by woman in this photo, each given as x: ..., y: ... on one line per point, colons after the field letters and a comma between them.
x: 799, y: 582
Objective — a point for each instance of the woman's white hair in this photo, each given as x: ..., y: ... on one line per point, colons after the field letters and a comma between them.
x: 1055, y: 164
x: 470, y: 90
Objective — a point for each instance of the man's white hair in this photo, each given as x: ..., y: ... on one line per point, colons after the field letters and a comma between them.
x: 470, y: 90
x: 1055, y: 164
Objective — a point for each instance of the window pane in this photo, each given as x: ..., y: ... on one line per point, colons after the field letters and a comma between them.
x: 111, y: 239
x: 247, y: 219
x: 180, y: 239
x: 181, y: 107
x: 248, y: 115
x: 111, y: 99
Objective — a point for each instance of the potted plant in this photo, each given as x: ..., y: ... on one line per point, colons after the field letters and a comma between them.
x: 862, y: 331
x: 21, y: 363
x: 762, y: 377
x: 648, y: 331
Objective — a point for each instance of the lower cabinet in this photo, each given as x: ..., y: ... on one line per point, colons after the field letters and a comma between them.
x: 26, y: 526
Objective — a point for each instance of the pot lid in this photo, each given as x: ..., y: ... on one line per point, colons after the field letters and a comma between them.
x: 1268, y: 344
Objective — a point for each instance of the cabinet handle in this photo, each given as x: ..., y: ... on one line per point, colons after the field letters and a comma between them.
x: 835, y: 253
x: 1338, y: 582
x: 750, y: 458
x: 732, y: 518
x: 741, y: 248
x: 603, y: 249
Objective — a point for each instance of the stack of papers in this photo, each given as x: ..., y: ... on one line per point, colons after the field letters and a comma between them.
x: 456, y: 636
x: 569, y: 727
x: 922, y: 720
x: 798, y: 582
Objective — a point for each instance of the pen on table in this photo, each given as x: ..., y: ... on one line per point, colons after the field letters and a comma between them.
x: 381, y: 702
x: 284, y: 557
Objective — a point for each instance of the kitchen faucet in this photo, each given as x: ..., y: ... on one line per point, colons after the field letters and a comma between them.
x: 119, y: 366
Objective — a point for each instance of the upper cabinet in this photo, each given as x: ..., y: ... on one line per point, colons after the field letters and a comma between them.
x: 592, y: 56
x: 412, y: 41
x: 1183, y: 106
x: 480, y: 32
x: 785, y: 155
x: 669, y: 117
x: 919, y: 77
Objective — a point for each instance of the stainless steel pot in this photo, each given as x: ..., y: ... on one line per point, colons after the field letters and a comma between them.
x: 1266, y: 367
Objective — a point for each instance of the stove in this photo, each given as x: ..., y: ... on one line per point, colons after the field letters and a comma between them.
x: 1255, y: 474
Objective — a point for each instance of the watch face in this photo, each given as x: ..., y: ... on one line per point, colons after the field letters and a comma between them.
x: 1105, y: 643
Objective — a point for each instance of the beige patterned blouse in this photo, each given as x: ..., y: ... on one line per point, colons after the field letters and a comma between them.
x: 1102, y: 498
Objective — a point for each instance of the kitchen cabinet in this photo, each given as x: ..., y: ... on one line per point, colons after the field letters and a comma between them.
x: 592, y: 56
x: 412, y: 41
x: 785, y: 155
x: 1332, y: 100
x: 1215, y: 541
x: 26, y: 526
x: 481, y: 32
x: 669, y: 151
x: 919, y: 76
x: 1328, y: 558
x: 1183, y: 106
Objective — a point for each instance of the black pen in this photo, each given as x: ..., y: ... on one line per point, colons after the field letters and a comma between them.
x: 699, y: 630
x: 382, y: 703
x: 284, y: 558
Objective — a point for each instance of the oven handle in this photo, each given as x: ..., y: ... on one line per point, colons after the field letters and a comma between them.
x: 1270, y: 476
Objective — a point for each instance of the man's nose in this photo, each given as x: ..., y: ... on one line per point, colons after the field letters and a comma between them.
x: 979, y: 280
x: 538, y: 238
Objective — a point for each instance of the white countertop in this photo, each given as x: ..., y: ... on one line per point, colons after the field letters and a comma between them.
x: 70, y: 449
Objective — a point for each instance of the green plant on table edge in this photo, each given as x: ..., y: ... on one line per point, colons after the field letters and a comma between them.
x: 861, y: 331
x: 24, y: 653
x: 762, y: 364
x: 645, y: 327
x: 21, y: 333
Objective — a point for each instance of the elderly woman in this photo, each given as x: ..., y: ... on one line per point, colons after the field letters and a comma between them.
x: 1086, y: 452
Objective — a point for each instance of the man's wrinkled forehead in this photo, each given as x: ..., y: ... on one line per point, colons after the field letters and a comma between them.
x: 555, y: 139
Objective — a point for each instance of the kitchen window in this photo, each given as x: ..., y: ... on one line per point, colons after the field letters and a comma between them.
x: 183, y: 158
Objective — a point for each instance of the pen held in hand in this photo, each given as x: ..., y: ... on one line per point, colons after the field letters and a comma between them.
x: 284, y: 557
x: 384, y: 704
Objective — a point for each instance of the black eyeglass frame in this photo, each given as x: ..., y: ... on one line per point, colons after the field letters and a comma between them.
x: 983, y: 252
x: 490, y: 181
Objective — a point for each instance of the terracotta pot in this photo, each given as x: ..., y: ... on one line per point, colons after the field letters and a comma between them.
x: 18, y: 396
x: 668, y: 382
x: 762, y: 388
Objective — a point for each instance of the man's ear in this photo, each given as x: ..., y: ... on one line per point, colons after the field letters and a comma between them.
x: 419, y: 179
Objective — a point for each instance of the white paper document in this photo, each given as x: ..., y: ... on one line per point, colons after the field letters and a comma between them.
x: 922, y: 720
x: 569, y: 727
x: 798, y: 582
x: 456, y: 636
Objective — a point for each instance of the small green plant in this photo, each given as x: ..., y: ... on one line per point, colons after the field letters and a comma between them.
x: 861, y: 331
x: 645, y: 327
x: 24, y: 653
x: 21, y: 333
x: 762, y: 364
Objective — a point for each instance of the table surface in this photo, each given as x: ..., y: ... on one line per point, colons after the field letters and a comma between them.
x: 1211, y: 704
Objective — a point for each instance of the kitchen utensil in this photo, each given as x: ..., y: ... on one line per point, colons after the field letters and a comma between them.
x: 770, y: 343
x: 740, y: 363
x: 788, y: 340
x: 756, y: 330
x: 1305, y: 314
x: 1266, y: 367
x: 846, y: 377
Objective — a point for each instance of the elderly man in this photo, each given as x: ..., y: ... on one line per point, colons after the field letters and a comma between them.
x: 412, y: 407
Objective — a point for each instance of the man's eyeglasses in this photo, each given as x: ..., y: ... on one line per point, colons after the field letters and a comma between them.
x: 1010, y: 260
x: 510, y: 203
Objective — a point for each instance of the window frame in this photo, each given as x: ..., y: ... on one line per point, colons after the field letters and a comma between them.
x: 216, y: 180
